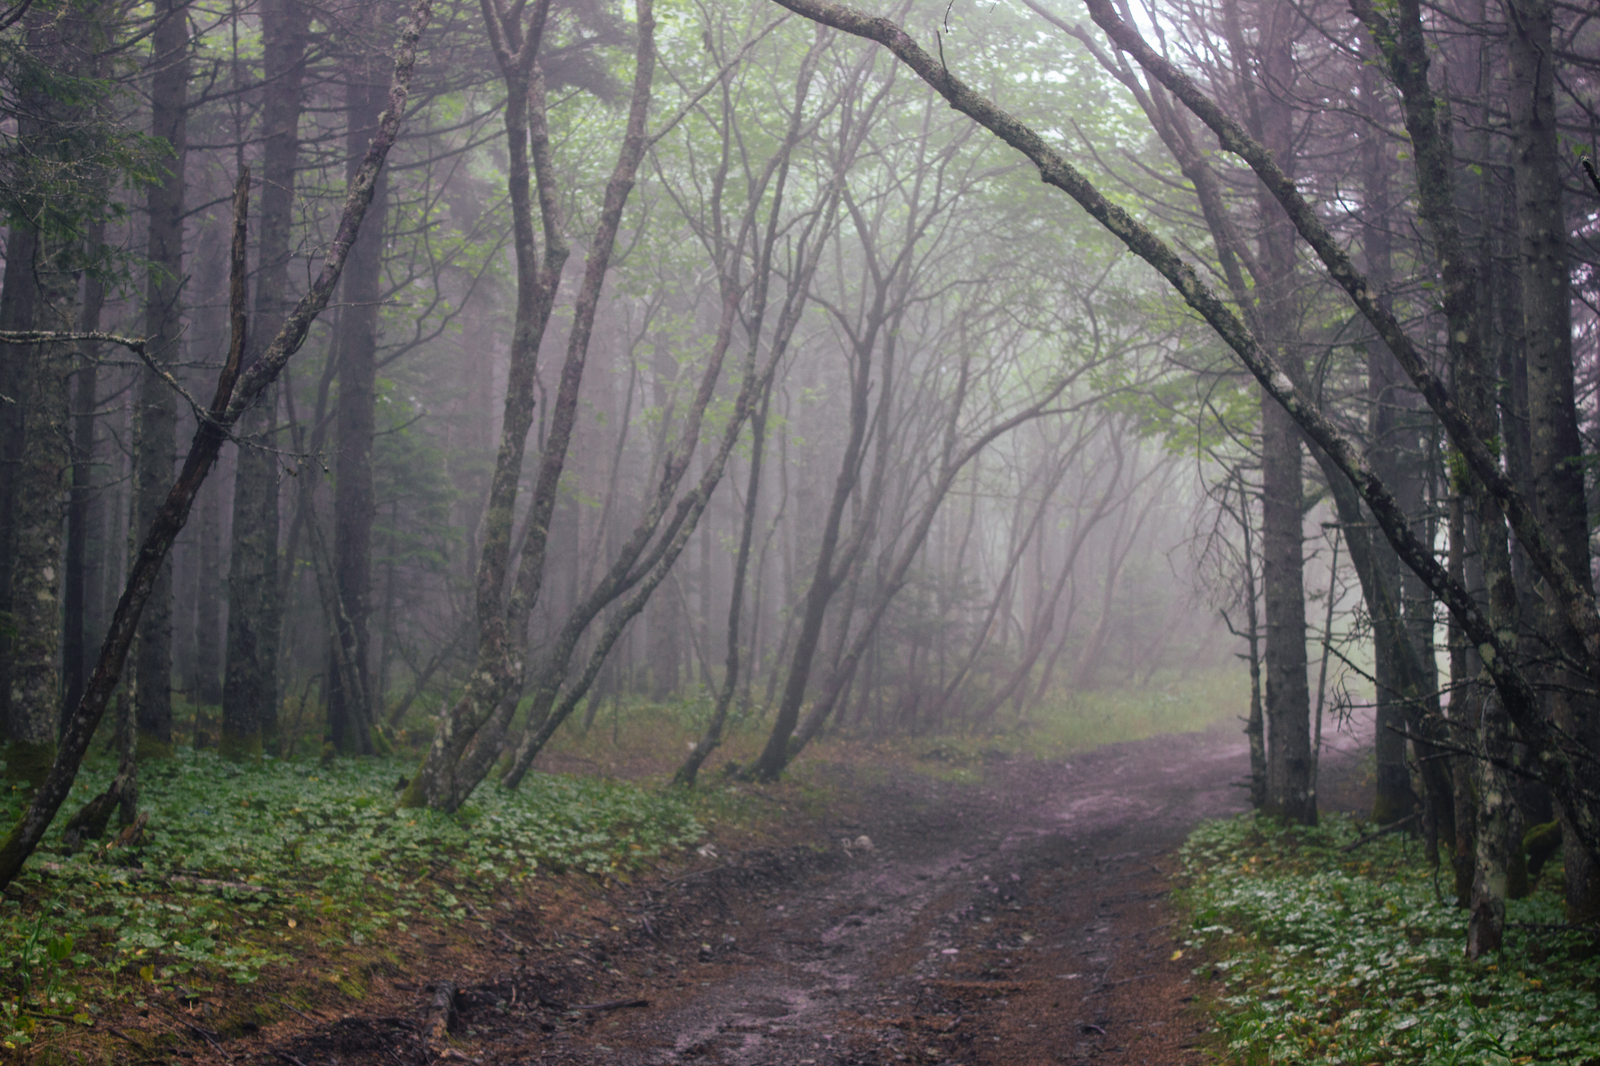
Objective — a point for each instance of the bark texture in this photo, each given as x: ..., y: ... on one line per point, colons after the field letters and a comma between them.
x: 42, y: 465
x: 350, y: 713
x: 237, y: 390
x: 156, y: 418
x: 1555, y: 446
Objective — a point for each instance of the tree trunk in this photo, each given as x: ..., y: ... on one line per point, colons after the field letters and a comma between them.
x: 255, y: 613
x: 81, y: 509
x: 1555, y: 445
x: 236, y: 390
x: 1288, y: 694
x: 354, y: 501
x: 447, y: 776
x: 206, y: 687
x: 33, y: 716
x: 730, y: 675
x: 1255, y: 725
x: 155, y: 430
x: 825, y: 579
x: 1387, y: 437
x: 1466, y: 701
x: 16, y: 313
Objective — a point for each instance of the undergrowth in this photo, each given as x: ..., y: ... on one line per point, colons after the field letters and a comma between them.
x: 1328, y: 956
x: 243, y: 867
x: 1068, y: 721
x: 1172, y: 702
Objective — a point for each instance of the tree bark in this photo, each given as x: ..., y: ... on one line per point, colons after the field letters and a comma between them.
x: 33, y: 716
x: 250, y: 678
x: 1288, y: 696
x: 350, y: 714
x: 1556, y: 447
x: 237, y: 389
x: 1255, y: 725
x: 155, y: 427
x: 447, y: 776
x: 81, y: 509
x: 250, y: 684
x: 19, y: 297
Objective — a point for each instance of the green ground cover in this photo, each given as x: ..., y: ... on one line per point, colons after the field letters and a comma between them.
x: 249, y: 869
x: 1172, y: 702
x: 1328, y: 956
x: 241, y: 863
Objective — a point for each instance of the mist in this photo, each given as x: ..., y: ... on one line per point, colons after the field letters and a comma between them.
x: 711, y: 388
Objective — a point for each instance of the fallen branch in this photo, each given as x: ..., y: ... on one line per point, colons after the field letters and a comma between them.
x: 207, y: 1036
x: 201, y: 1031
x: 297, y: 1010
x: 615, y: 1004
x: 441, y: 1013
x: 1385, y: 831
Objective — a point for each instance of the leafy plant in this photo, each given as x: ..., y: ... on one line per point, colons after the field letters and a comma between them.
x: 1353, y: 957
x: 242, y: 863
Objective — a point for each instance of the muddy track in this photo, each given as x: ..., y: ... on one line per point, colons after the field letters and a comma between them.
x: 1020, y: 921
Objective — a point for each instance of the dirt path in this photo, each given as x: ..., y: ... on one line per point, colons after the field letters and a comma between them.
x: 1018, y: 922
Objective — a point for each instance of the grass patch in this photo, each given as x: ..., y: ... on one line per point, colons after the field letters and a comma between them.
x: 1353, y: 958
x: 246, y: 867
x: 1072, y: 722
x: 1173, y: 702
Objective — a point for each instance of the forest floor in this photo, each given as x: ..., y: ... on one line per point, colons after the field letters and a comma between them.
x: 1008, y: 911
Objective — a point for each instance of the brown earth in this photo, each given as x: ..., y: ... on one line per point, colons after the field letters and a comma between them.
x: 1024, y: 920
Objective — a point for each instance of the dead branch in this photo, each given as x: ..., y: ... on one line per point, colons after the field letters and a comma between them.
x: 1385, y: 831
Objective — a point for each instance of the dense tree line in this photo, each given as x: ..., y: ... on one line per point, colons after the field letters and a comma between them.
x: 693, y: 349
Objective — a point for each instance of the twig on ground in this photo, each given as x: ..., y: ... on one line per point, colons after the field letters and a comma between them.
x: 616, y: 1004
x: 297, y: 1010
x: 1385, y: 831
x: 201, y: 1031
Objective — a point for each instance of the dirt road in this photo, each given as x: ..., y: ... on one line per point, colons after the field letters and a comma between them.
x: 1021, y: 921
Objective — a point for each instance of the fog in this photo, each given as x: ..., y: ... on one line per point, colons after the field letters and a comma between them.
x: 707, y: 358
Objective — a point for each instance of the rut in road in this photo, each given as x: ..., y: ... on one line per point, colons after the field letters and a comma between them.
x: 1019, y: 922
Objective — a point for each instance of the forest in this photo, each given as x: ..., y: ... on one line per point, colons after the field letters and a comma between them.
x: 441, y: 380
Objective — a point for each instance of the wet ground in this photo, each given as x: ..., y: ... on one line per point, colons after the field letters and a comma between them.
x: 1023, y: 920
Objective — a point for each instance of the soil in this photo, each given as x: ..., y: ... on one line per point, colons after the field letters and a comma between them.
x: 1022, y: 920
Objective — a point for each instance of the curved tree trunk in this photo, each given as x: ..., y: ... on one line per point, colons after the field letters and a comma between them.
x: 237, y: 390
x: 447, y: 775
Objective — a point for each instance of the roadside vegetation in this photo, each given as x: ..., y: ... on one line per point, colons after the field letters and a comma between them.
x: 1324, y: 952
x: 292, y: 876
x: 240, y: 868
